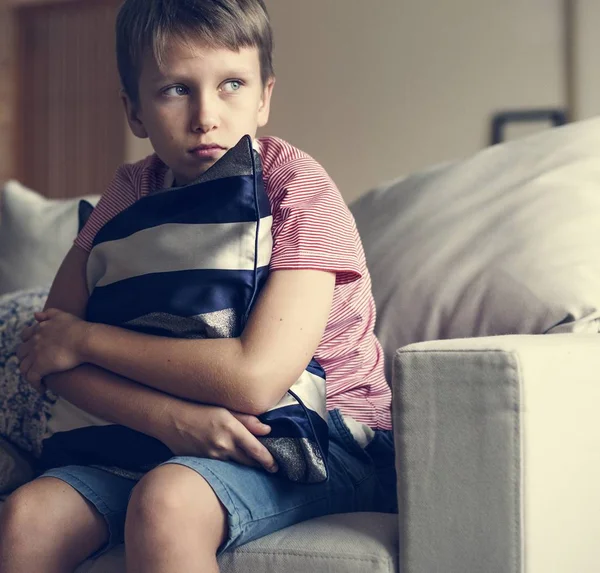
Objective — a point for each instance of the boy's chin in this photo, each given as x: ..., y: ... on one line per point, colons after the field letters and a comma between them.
x: 192, y: 171
x: 191, y: 176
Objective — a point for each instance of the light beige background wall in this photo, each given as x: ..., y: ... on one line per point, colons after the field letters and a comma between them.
x: 587, y: 59
x: 375, y: 89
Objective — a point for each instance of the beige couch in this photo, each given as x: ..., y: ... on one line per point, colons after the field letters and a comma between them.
x: 486, y: 275
x: 499, y: 468
x: 498, y: 461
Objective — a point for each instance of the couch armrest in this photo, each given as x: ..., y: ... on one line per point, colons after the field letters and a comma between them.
x: 498, y: 454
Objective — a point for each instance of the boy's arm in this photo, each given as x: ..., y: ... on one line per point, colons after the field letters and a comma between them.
x: 93, y: 389
x: 248, y: 374
x: 186, y: 428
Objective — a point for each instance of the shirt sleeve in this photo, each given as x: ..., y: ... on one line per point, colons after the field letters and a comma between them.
x: 119, y: 195
x: 312, y: 226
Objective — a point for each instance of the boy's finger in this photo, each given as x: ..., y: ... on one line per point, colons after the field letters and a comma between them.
x: 25, y: 365
x: 22, y: 351
x: 256, y: 451
x: 49, y: 312
x: 27, y: 332
x: 252, y: 424
x: 34, y: 379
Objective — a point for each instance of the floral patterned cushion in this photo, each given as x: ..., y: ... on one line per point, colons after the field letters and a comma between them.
x: 23, y: 412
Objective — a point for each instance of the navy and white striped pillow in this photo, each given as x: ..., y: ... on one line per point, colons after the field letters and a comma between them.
x: 189, y: 262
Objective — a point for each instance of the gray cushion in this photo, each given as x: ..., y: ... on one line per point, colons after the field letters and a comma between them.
x: 349, y: 543
x: 35, y: 235
x: 505, y: 242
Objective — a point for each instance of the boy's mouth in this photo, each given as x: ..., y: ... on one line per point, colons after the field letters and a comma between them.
x: 207, y: 150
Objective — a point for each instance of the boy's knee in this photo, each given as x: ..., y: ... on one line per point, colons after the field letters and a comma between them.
x: 155, y: 499
x: 172, y: 497
x: 23, y: 519
x: 49, y: 525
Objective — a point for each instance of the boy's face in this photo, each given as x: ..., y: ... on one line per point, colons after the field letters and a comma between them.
x: 198, y: 104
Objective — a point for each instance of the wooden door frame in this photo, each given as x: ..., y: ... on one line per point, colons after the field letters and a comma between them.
x: 9, y: 10
x: 14, y: 4
x: 16, y: 10
x: 9, y: 107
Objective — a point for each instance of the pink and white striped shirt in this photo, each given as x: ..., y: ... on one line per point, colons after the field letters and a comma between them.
x: 312, y: 229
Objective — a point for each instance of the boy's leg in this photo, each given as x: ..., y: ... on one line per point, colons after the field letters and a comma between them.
x: 48, y: 527
x: 178, y: 522
x: 175, y: 522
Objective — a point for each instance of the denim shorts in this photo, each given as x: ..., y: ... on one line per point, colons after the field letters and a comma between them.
x: 259, y: 503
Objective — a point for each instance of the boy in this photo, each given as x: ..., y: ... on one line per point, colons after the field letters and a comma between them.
x: 197, y: 77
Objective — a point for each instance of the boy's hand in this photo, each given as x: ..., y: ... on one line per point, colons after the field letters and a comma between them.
x: 54, y: 344
x: 214, y: 432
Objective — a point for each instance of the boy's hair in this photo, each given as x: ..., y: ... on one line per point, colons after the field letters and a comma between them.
x: 152, y: 24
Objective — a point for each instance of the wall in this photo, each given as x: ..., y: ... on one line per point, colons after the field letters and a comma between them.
x: 380, y: 88
x: 135, y: 148
x: 586, y: 73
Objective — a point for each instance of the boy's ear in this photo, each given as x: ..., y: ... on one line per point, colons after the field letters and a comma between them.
x: 133, y: 119
x: 265, y: 103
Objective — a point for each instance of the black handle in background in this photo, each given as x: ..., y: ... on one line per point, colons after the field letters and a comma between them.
x: 554, y: 117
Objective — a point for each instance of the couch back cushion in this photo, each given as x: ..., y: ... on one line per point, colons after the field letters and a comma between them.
x: 35, y: 235
x: 507, y: 241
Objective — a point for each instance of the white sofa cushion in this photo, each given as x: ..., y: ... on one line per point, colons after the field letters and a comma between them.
x: 505, y: 242
x: 35, y: 235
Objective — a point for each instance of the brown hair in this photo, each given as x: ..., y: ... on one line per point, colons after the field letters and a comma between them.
x: 152, y: 24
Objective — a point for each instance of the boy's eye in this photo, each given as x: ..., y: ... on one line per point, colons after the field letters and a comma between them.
x: 176, y: 91
x: 232, y: 85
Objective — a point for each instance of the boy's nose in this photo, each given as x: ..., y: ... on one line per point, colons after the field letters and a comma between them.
x: 204, y: 115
